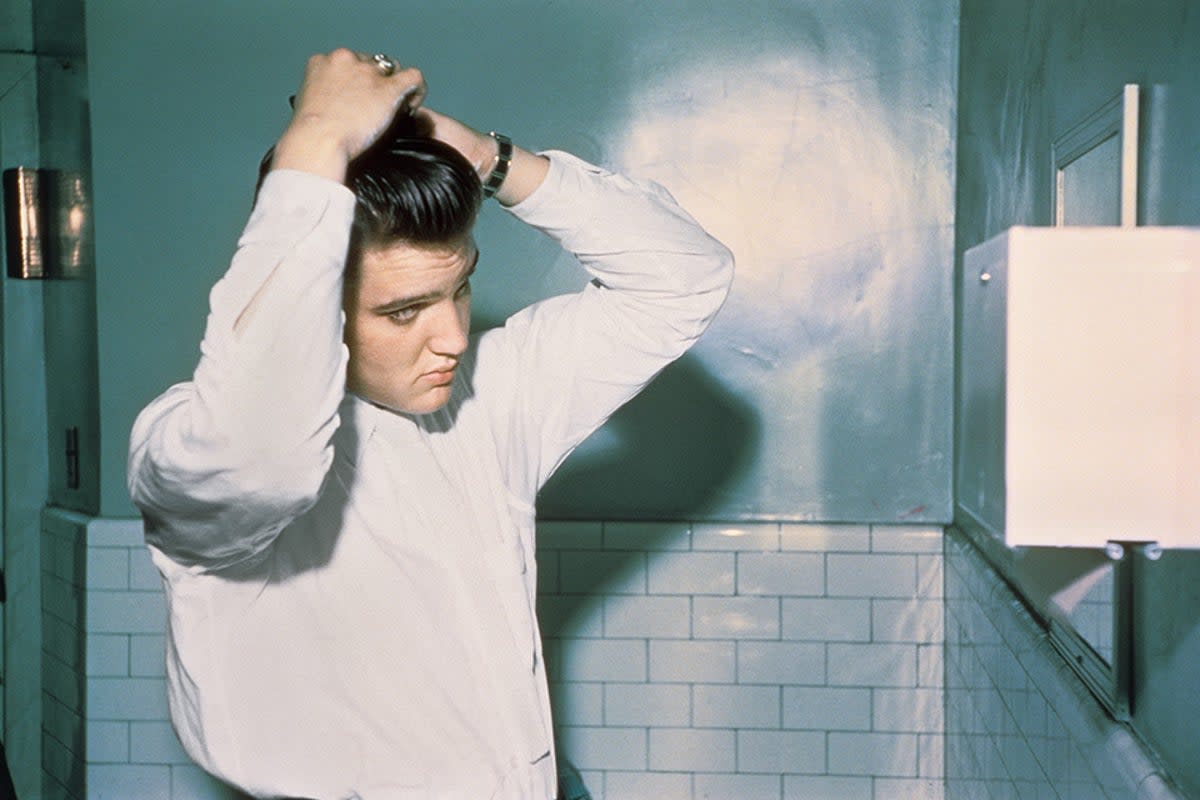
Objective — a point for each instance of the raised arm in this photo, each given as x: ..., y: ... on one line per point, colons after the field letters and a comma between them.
x: 220, y: 464
x: 559, y: 368
x: 345, y: 102
x: 526, y: 172
x: 564, y: 365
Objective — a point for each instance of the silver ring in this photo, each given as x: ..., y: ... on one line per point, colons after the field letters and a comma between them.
x: 385, y: 64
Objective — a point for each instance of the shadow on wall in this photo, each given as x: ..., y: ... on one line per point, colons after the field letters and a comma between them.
x: 670, y: 453
x: 685, y: 438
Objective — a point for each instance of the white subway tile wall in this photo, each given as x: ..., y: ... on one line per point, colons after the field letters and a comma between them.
x: 708, y: 661
x: 756, y: 662
x: 106, y: 733
x: 1018, y: 721
x: 748, y: 661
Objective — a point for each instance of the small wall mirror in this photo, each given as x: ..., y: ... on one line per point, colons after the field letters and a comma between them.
x: 1084, y: 595
x: 1087, y: 605
x: 1095, y: 166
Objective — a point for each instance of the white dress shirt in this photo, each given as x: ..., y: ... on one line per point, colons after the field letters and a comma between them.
x: 350, y: 589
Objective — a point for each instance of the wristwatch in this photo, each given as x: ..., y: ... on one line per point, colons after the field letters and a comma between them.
x: 500, y: 170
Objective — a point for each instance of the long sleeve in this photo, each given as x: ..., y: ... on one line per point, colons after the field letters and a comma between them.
x: 571, y: 361
x: 220, y: 464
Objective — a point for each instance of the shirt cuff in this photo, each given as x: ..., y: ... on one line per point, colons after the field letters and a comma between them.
x: 567, y: 178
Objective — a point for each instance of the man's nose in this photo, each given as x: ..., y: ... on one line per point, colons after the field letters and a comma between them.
x: 450, y: 326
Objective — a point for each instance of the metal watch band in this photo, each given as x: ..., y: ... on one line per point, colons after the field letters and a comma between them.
x: 500, y: 170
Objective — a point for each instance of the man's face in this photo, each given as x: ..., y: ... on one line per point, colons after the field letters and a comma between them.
x: 407, y: 315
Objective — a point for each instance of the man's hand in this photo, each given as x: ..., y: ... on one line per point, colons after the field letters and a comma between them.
x: 344, y: 103
x: 524, y: 175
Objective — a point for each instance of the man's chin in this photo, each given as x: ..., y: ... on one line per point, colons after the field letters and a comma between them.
x: 427, y: 403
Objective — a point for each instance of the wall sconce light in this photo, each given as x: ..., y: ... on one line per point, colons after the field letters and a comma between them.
x: 47, y: 223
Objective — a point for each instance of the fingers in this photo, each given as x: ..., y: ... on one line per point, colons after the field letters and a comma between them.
x: 409, y: 80
x: 356, y: 95
x: 344, y: 70
x: 415, y: 89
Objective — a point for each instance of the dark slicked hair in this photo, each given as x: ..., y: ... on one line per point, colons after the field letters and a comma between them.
x: 409, y: 188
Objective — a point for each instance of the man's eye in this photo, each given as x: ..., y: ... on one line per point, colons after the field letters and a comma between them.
x: 404, y: 315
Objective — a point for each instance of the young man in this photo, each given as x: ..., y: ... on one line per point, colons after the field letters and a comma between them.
x: 341, y: 500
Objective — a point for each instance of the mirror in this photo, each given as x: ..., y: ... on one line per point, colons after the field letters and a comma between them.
x: 1073, y: 586
x: 1095, y: 166
x: 1084, y: 595
x: 1095, y: 183
x: 1087, y: 607
x: 1085, y: 592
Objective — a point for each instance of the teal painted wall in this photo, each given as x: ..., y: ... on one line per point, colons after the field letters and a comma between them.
x: 1029, y: 71
x: 814, y: 138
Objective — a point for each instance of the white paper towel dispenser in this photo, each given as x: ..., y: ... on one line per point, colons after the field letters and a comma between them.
x: 1079, y: 419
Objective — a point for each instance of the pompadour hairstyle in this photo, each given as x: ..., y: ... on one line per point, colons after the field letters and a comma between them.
x: 409, y: 188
